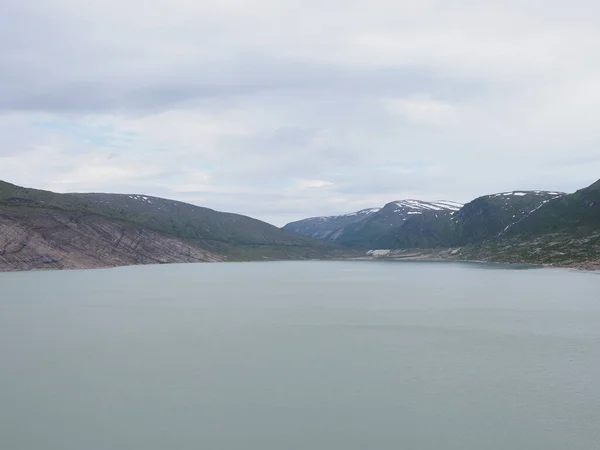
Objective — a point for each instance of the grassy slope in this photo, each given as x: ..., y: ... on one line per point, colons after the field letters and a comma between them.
x: 425, y: 231
x: 486, y: 217
x: 483, y: 218
x: 230, y: 234
x: 575, y: 213
x: 381, y: 229
x: 479, y: 220
x: 538, y: 228
x: 564, y: 231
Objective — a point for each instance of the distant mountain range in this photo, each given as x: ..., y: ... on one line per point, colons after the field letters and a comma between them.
x: 519, y: 226
x: 41, y: 229
x: 415, y: 223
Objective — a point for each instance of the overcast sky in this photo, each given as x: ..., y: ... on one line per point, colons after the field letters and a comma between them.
x: 284, y: 109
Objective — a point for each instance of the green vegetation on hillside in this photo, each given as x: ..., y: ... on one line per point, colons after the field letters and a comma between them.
x: 524, y: 226
x: 233, y: 235
x: 575, y: 213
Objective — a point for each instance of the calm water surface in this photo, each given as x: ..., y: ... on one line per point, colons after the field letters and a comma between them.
x: 300, y: 355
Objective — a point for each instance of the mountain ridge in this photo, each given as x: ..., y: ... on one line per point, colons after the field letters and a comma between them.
x: 529, y: 226
x: 415, y: 223
x: 42, y: 229
x: 39, y: 229
x: 368, y: 227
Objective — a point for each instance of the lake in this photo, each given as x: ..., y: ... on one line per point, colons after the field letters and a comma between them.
x: 300, y: 355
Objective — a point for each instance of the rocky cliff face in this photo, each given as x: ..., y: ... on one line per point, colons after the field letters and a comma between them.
x: 58, y: 240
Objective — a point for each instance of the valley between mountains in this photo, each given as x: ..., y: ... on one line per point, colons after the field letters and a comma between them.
x: 45, y: 230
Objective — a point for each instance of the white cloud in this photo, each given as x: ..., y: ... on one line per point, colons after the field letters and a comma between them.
x: 423, y: 110
x: 287, y: 109
x: 313, y: 184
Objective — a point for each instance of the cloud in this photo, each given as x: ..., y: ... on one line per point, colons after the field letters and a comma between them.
x: 282, y: 110
x: 313, y: 184
x: 423, y: 110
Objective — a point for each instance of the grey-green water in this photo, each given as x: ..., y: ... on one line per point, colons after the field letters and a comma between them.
x: 313, y: 355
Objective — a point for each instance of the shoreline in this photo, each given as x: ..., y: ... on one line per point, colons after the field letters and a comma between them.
x: 588, y: 266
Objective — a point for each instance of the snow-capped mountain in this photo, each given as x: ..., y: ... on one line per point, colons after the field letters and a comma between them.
x: 351, y: 229
x: 417, y: 206
x: 490, y: 215
x: 415, y: 223
x: 380, y: 229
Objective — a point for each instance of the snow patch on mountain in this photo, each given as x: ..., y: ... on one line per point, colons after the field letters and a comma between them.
x: 527, y: 214
x: 418, y: 205
x: 362, y: 212
x: 141, y: 198
x: 524, y: 193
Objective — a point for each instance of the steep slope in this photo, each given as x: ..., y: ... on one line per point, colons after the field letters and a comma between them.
x: 211, y: 229
x: 520, y: 227
x: 328, y: 227
x: 51, y: 239
x: 380, y: 230
x: 482, y: 219
x: 416, y: 224
x: 564, y: 230
x: 425, y: 231
x: 214, y: 234
x: 574, y: 213
x: 488, y: 216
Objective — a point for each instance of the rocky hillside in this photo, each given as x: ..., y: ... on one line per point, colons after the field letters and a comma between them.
x: 41, y: 229
x: 381, y: 229
x: 536, y: 227
x: 371, y: 228
x: 483, y: 218
x: 327, y: 228
x: 491, y: 215
x: 410, y: 224
x: 50, y: 239
x: 577, y: 213
x: 564, y: 230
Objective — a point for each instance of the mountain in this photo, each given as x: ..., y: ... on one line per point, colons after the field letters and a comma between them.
x: 564, y: 231
x: 488, y: 216
x: 326, y: 228
x: 575, y: 213
x: 379, y: 227
x: 370, y: 228
x: 406, y: 224
x: 380, y: 230
x: 42, y: 229
x: 539, y: 227
x: 448, y: 224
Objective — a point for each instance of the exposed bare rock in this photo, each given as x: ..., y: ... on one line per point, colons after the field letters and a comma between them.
x: 59, y: 240
x: 43, y: 229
